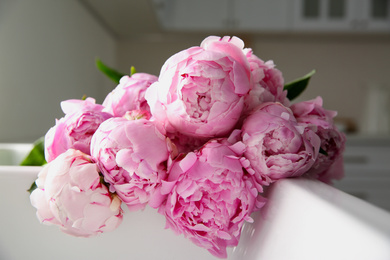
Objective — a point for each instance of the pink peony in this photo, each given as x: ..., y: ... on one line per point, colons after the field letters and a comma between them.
x: 132, y: 155
x: 329, y: 164
x: 200, y: 91
x: 267, y: 83
x: 71, y: 196
x: 209, y: 197
x: 311, y: 112
x: 277, y: 147
x: 129, y: 94
x: 75, y: 130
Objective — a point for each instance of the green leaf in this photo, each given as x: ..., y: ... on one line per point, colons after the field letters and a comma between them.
x: 132, y: 71
x: 36, y: 157
x: 109, y: 72
x: 296, y: 87
x: 32, y: 187
x: 323, y: 151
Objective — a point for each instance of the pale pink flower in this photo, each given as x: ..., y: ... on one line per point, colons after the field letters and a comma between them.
x: 329, y: 164
x: 132, y: 155
x: 75, y: 129
x: 267, y: 83
x: 200, y: 91
x: 129, y: 94
x: 209, y: 197
x: 70, y: 195
x: 277, y: 147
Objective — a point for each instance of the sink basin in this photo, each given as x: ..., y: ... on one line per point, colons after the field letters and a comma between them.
x: 303, y: 219
x: 13, y: 154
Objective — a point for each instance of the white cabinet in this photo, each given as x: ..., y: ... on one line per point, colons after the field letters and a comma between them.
x: 188, y: 15
x: 342, y: 15
x: 367, y: 170
x: 263, y: 15
x: 377, y: 18
x: 257, y: 16
x: 233, y: 15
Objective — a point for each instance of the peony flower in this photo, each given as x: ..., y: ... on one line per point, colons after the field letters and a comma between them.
x: 75, y: 129
x: 132, y: 155
x: 129, y: 94
x: 200, y: 91
x: 209, y: 197
x: 70, y: 195
x: 277, y: 147
x: 329, y: 164
x: 311, y: 112
x: 267, y: 83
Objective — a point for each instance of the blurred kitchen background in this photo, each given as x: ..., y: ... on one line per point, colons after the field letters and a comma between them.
x: 48, y: 50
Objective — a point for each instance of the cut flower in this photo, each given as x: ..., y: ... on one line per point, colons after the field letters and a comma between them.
x: 129, y: 94
x: 70, y: 195
x: 132, y: 155
x: 198, y: 143
x: 277, y: 147
x: 75, y: 129
x: 209, y: 197
x: 200, y: 91
x: 329, y: 164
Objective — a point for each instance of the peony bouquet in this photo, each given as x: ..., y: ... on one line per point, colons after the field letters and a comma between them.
x: 198, y: 143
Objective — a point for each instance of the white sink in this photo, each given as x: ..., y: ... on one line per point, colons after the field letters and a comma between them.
x: 304, y: 219
x: 13, y: 153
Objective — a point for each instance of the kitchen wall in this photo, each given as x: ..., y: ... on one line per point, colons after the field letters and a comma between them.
x: 47, y: 54
x: 48, y: 48
x: 347, y: 66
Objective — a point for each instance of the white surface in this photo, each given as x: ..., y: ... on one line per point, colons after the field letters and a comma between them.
x: 140, y: 236
x: 13, y: 154
x: 304, y: 220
